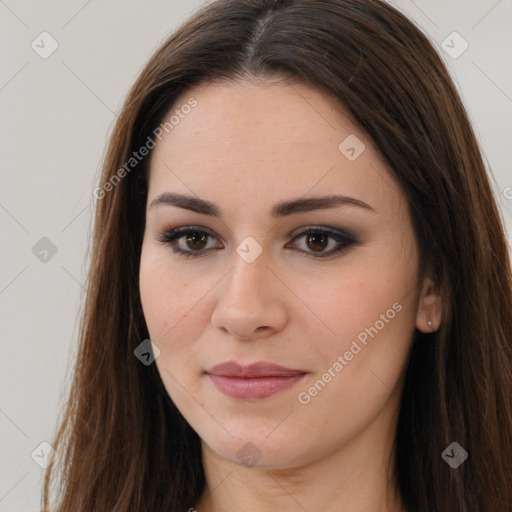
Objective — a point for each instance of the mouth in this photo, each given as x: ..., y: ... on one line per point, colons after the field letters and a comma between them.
x: 253, y: 382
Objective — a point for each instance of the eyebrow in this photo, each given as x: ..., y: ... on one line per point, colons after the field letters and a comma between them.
x: 301, y: 205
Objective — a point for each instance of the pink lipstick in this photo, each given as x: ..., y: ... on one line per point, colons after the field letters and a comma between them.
x: 255, y: 381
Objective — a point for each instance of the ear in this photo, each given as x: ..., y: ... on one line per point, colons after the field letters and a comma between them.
x: 430, y: 307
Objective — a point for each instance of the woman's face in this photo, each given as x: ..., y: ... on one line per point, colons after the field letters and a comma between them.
x: 256, y: 284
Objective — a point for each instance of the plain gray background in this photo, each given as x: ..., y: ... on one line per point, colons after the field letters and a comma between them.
x: 57, y: 114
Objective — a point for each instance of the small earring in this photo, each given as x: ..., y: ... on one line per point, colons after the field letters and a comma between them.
x: 430, y: 326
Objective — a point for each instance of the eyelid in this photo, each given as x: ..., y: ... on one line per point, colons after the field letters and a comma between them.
x: 324, y: 229
x: 296, y: 232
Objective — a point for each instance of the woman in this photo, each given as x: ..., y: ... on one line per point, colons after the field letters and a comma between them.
x: 294, y: 210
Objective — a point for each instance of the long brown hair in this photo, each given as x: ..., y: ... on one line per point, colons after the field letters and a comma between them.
x: 123, y: 445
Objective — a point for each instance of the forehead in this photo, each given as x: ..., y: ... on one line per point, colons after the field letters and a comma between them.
x: 250, y: 119
x: 266, y: 142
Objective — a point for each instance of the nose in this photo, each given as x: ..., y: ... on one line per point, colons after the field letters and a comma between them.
x: 251, y: 303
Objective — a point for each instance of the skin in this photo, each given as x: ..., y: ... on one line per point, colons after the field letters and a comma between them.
x: 246, y: 146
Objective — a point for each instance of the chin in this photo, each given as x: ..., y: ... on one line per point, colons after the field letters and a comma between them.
x: 257, y: 447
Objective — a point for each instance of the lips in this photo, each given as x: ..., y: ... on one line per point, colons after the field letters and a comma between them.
x: 259, y: 369
x: 253, y: 382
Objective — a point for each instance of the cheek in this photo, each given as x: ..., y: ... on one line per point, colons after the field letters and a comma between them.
x: 360, y: 304
x: 163, y: 296
x: 174, y: 306
x: 358, y: 368
x: 369, y: 315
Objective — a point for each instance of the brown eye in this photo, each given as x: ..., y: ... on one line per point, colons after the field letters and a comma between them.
x: 192, y: 241
x: 187, y: 241
x: 317, y: 241
x: 196, y: 240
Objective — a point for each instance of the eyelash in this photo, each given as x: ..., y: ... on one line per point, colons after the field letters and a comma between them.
x: 171, y: 237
